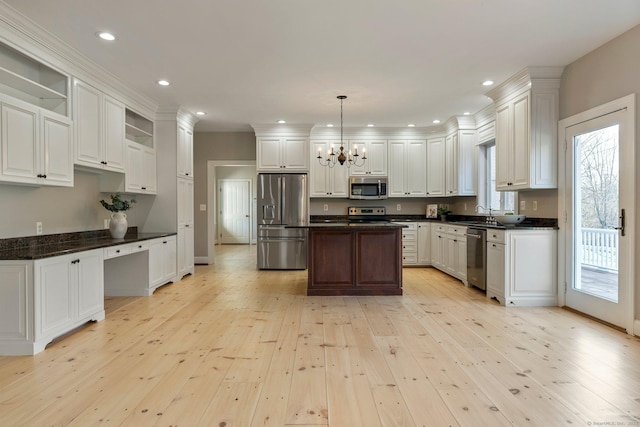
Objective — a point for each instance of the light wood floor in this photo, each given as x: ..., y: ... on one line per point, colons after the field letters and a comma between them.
x: 232, y: 346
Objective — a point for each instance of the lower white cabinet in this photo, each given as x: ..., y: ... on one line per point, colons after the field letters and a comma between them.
x: 44, y: 299
x: 424, y: 243
x: 522, y: 267
x: 449, y: 250
x: 162, y: 261
x: 185, y: 250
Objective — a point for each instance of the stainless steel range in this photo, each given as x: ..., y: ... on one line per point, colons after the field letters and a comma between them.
x: 368, y: 214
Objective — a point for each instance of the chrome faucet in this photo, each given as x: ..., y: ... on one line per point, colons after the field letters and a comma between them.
x: 489, y: 219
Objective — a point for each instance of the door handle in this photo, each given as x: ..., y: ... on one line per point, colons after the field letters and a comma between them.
x: 622, y: 223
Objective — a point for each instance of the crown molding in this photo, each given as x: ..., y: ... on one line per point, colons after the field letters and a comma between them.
x: 485, y: 116
x: 24, y: 35
x: 532, y: 77
x: 303, y: 129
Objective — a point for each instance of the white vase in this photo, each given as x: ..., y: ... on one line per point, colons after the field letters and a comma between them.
x: 118, y: 225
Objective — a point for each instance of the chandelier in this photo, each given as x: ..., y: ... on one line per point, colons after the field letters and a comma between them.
x: 333, y: 158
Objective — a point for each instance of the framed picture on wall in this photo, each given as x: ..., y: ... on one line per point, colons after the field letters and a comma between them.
x: 432, y: 211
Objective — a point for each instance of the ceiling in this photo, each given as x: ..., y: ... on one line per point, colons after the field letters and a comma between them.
x: 257, y: 61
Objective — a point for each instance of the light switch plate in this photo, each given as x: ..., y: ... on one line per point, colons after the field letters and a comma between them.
x: 326, y: 207
x: 203, y: 208
x: 523, y: 205
x: 534, y: 205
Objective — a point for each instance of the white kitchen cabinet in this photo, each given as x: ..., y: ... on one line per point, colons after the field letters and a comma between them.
x: 140, y: 176
x: 185, y: 239
x: 100, y: 129
x: 526, y: 130
x: 435, y: 167
x: 284, y: 154
x: 424, y: 243
x: 162, y: 261
x: 16, y: 308
x: 522, y: 267
x: 185, y: 152
x: 327, y: 181
x: 495, y: 265
x: 409, y: 243
x: 407, y: 168
x: 376, y: 152
x: 449, y: 250
x: 460, y: 163
x: 35, y: 145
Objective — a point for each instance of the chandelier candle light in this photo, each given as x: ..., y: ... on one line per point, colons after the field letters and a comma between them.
x: 333, y: 159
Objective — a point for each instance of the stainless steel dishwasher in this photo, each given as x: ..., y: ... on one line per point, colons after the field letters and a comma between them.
x: 476, y: 257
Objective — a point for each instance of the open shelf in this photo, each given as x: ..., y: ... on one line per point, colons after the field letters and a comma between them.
x: 138, y: 128
x: 136, y: 131
x: 25, y: 78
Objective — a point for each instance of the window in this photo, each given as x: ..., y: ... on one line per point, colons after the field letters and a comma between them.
x: 489, y: 198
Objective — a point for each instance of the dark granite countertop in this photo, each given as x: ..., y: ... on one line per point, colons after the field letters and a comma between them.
x: 467, y: 220
x: 347, y: 225
x: 39, y: 247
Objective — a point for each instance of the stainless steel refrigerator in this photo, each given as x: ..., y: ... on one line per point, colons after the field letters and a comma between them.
x: 283, y: 200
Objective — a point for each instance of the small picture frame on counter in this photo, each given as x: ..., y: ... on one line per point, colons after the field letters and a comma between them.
x: 432, y: 211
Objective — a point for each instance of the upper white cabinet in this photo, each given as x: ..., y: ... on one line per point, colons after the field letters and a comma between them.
x: 407, y: 168
x: 29, y: 80
x: 35, y: 145
x: 100, y: 129
x: 460, y: 163
x: 435, y: 167
x: 376, y: 152
x: 185, y: 152
x: 140, y: 176
x: 138, y: 128
x: 285, y: 154
x: 526, y: 129
x: 327, y: 181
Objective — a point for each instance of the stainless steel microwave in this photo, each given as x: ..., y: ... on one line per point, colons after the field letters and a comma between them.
x: 368, y: 187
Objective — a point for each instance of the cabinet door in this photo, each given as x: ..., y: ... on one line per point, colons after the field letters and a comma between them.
x: 435, y: 167
x: 339, y: 181
x: 467, y: 162
x: 397, y: 169
x: 416, y: 159
x: 451, y: 165
x: 377, y: 158
x: 521, y: 150
x: 269, y: 154
x: 363, y: 148
x: 57, y: 145
x: 114, y: 144
x: 424, y: 243
x: 318, y: 174
x: 149, y: 179
x: 185, y: 202
x: 461, y: 258
x: 495, y: 270
x: 185, y: 152
x: 295, y: 153
x: 54, y: 295
x: 20, y: 143
x: 133, y: 175
x: 449, y: 254
x: 503, y: 147
x: 437, y: 242
x: 90, y: 283
x: 87, y: 121
x: 16, y: 308
x: 170, y: 258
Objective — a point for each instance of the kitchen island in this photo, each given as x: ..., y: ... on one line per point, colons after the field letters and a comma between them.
x: 355, y: 259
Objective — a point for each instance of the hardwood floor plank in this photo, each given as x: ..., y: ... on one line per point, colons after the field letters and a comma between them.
x: 233, y: 405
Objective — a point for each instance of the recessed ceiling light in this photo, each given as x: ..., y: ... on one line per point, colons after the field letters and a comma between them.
x: 282, y: 122
x: 370, y: 125
x: 436, y: 121
x: 200, y: 113
x: 163, y: 83
x: 466, y: 113
x: 411, y: 125
x: 106, y: 36
x: 329, y: 125
x: 487, y: 83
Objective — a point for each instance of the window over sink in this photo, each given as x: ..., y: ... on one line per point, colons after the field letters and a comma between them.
x: 488, y: 197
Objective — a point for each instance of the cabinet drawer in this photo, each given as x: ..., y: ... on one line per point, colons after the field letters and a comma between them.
x: 409, y: 258
x: 408, y: 235
x: 457, y: 230
x: 138, y: 247
x: 439, y: 228
x: 116, y: 251
x: 496, y: 236
x: 409, y: 247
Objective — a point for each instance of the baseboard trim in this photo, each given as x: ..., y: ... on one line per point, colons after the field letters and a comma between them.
x: 201, y: 260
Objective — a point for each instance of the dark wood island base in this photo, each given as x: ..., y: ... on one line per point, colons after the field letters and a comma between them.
x: 355, y: 260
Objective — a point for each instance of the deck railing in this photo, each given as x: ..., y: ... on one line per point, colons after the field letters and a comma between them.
x: 600, y: 248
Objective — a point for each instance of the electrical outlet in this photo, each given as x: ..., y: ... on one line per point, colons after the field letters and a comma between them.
x: 326, y: 207
x: 465, y: 207
x: 38, y: 228
x: 203, y: 208
x: 534, y: 205
x: 106, y: 223
x: 523, y: 205
x: 398, y: 207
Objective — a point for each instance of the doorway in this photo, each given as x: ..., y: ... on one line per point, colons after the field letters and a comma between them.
x: 235, y: 211
x: 599, y: 193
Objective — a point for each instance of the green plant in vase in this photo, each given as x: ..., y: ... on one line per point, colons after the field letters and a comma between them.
x: 118, y: 224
